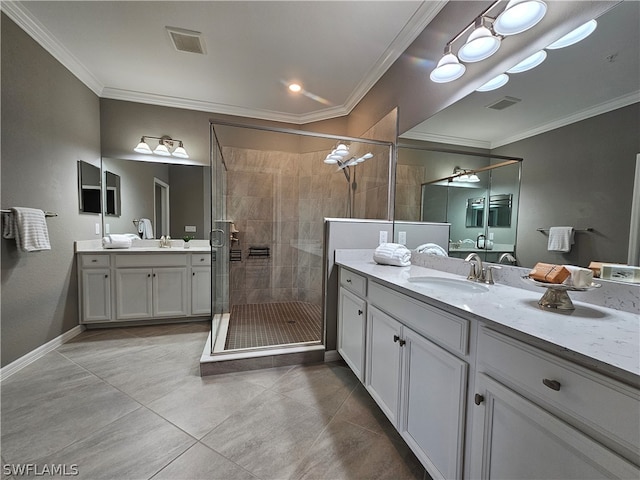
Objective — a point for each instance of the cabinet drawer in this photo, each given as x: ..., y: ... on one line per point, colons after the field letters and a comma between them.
x: 153, y: 260
x: 354, y: 282
x: 601, y: 404
x: 444, y: 328
x: 94, y: 260
x: 200, y: 259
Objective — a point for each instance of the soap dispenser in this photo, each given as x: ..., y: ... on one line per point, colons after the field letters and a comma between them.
x: 480, y: 241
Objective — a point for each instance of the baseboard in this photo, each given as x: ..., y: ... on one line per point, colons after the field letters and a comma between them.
x: 41, y: 351
x: 332, y: 356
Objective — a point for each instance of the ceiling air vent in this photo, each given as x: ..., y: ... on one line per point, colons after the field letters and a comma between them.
x: 186, y: 40
x: 503, y: 103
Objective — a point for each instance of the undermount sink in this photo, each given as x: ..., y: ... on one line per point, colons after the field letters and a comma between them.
x: 452, y: 285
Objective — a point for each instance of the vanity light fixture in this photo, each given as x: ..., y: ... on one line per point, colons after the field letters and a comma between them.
x: 530, y: 62
x: 481, y: 44
x: 165, y: 143
x: 464, y: 175
x: 494, y: 83
x: 448, y: 69
x: 519, y: 16
x: 338, y: 156
x: 574, y: 36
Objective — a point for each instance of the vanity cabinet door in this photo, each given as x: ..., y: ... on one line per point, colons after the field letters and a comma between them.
x: 433, y: 405
x: 170, y: 292
x: 200, y: 290
x: 383, y: 353
x: 351, y: 331
x: 516, y: 439
x: 96, y: 295
x: 134, y: 288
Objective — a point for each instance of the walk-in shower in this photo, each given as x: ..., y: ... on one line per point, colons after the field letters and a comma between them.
x: 273, y: 188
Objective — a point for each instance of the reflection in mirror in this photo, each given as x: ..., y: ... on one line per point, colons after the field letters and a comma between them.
x: 187, y: 206
x: 475, y: 212
x: 112, y: 194
x: 575, y: 123
x: 500, y: 210
x: 88, y: 187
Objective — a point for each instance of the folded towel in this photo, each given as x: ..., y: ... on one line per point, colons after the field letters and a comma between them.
x: 28, y: 227
x: 580, y: 277
x: 560, y: 239
x: 432, y: 249
x: 116, y: 241
x: 145, y: 229
x: 392, y: 254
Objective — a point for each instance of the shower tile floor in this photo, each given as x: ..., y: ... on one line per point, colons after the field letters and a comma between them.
x: 128, y: 404
x: 268, y: 324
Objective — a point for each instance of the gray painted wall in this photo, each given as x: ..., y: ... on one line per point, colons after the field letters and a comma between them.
x: 50, y: 120
x: 579, y: 175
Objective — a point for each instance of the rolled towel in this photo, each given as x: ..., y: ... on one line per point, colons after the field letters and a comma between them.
x: 432, y: 249
x: 580, y: 277
x: 392, y: 254
x: 116, y: 241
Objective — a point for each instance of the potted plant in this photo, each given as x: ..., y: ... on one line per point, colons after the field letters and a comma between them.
x: 186, y: 239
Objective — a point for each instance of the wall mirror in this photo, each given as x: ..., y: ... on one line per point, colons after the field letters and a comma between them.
x: 475, y: 212
x: 574, y: 120
x: 132, y: 193
x: 112, y: 203
x: 89, y: 191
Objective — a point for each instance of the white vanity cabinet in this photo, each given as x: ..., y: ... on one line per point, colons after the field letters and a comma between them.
x: 417, y: 383
x: 118, y: 287
x: 540, y: 416
x: 352, y: 316
x: 95, y: 285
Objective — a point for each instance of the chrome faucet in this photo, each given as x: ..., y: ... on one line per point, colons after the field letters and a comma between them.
x: 478, y: 273
x: 508, y: 257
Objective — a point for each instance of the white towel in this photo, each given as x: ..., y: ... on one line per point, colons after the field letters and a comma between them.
x: 560, y: 239
x: 116, y: 241
x: 145, y: 229
x: 580, y: 277
x: 392, y: 254
x: 432, y: 249
x: 28, y: 227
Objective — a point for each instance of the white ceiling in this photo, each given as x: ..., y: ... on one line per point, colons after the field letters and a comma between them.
x: 572, y: 84
x: 336, y: 50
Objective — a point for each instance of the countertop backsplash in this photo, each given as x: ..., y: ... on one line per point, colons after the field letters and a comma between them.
x: 615, y: 295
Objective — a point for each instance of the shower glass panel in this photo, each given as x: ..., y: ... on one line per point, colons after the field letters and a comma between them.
x: 272, y: 191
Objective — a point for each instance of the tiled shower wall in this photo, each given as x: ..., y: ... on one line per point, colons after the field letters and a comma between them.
x: 279, y: 200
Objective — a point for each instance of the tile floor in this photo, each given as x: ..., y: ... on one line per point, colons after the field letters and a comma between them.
x: 128, y: 403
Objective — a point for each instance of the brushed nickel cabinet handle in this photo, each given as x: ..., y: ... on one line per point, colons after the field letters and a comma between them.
x: 552, y: 384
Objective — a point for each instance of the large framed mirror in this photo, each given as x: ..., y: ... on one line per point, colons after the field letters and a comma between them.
x: 574, y: 120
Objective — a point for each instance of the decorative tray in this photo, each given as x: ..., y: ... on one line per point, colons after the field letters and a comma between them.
x: 556, y: 296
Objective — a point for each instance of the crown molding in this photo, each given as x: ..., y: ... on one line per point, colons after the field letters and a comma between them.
x: 448, y: 139
x: 23, y: 18
x: 608, y: 106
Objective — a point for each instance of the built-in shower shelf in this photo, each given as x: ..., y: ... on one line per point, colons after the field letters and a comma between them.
x: 263, y: 252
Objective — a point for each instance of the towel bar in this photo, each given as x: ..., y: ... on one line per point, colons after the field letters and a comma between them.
x: 46, y: 214
x: 588, y: 229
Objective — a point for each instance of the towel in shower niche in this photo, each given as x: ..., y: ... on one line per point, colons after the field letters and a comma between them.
x: 392, y: 254
x: 28, y: 227
x: 560, y: 239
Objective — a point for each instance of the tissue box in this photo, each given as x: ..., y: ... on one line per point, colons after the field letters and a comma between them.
x: 549, y: 273
x: 621, y: 273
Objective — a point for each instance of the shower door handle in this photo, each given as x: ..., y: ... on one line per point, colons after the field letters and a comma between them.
x: 217, y: 242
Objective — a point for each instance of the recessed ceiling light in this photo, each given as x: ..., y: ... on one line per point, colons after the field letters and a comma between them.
x: 294, y: 87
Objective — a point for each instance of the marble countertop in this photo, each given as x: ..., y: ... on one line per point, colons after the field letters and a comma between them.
x: 601, y: 338
x: 144, y: 246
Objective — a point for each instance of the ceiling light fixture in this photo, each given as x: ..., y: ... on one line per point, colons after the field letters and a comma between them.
x: 481, y: 44
x: 530, y: 62
x: 448, y: 69
x: 574, y: 36
x: 294, y: 87
x: 494, y: 83
x: 519, y: 16
x: 165, y: 143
